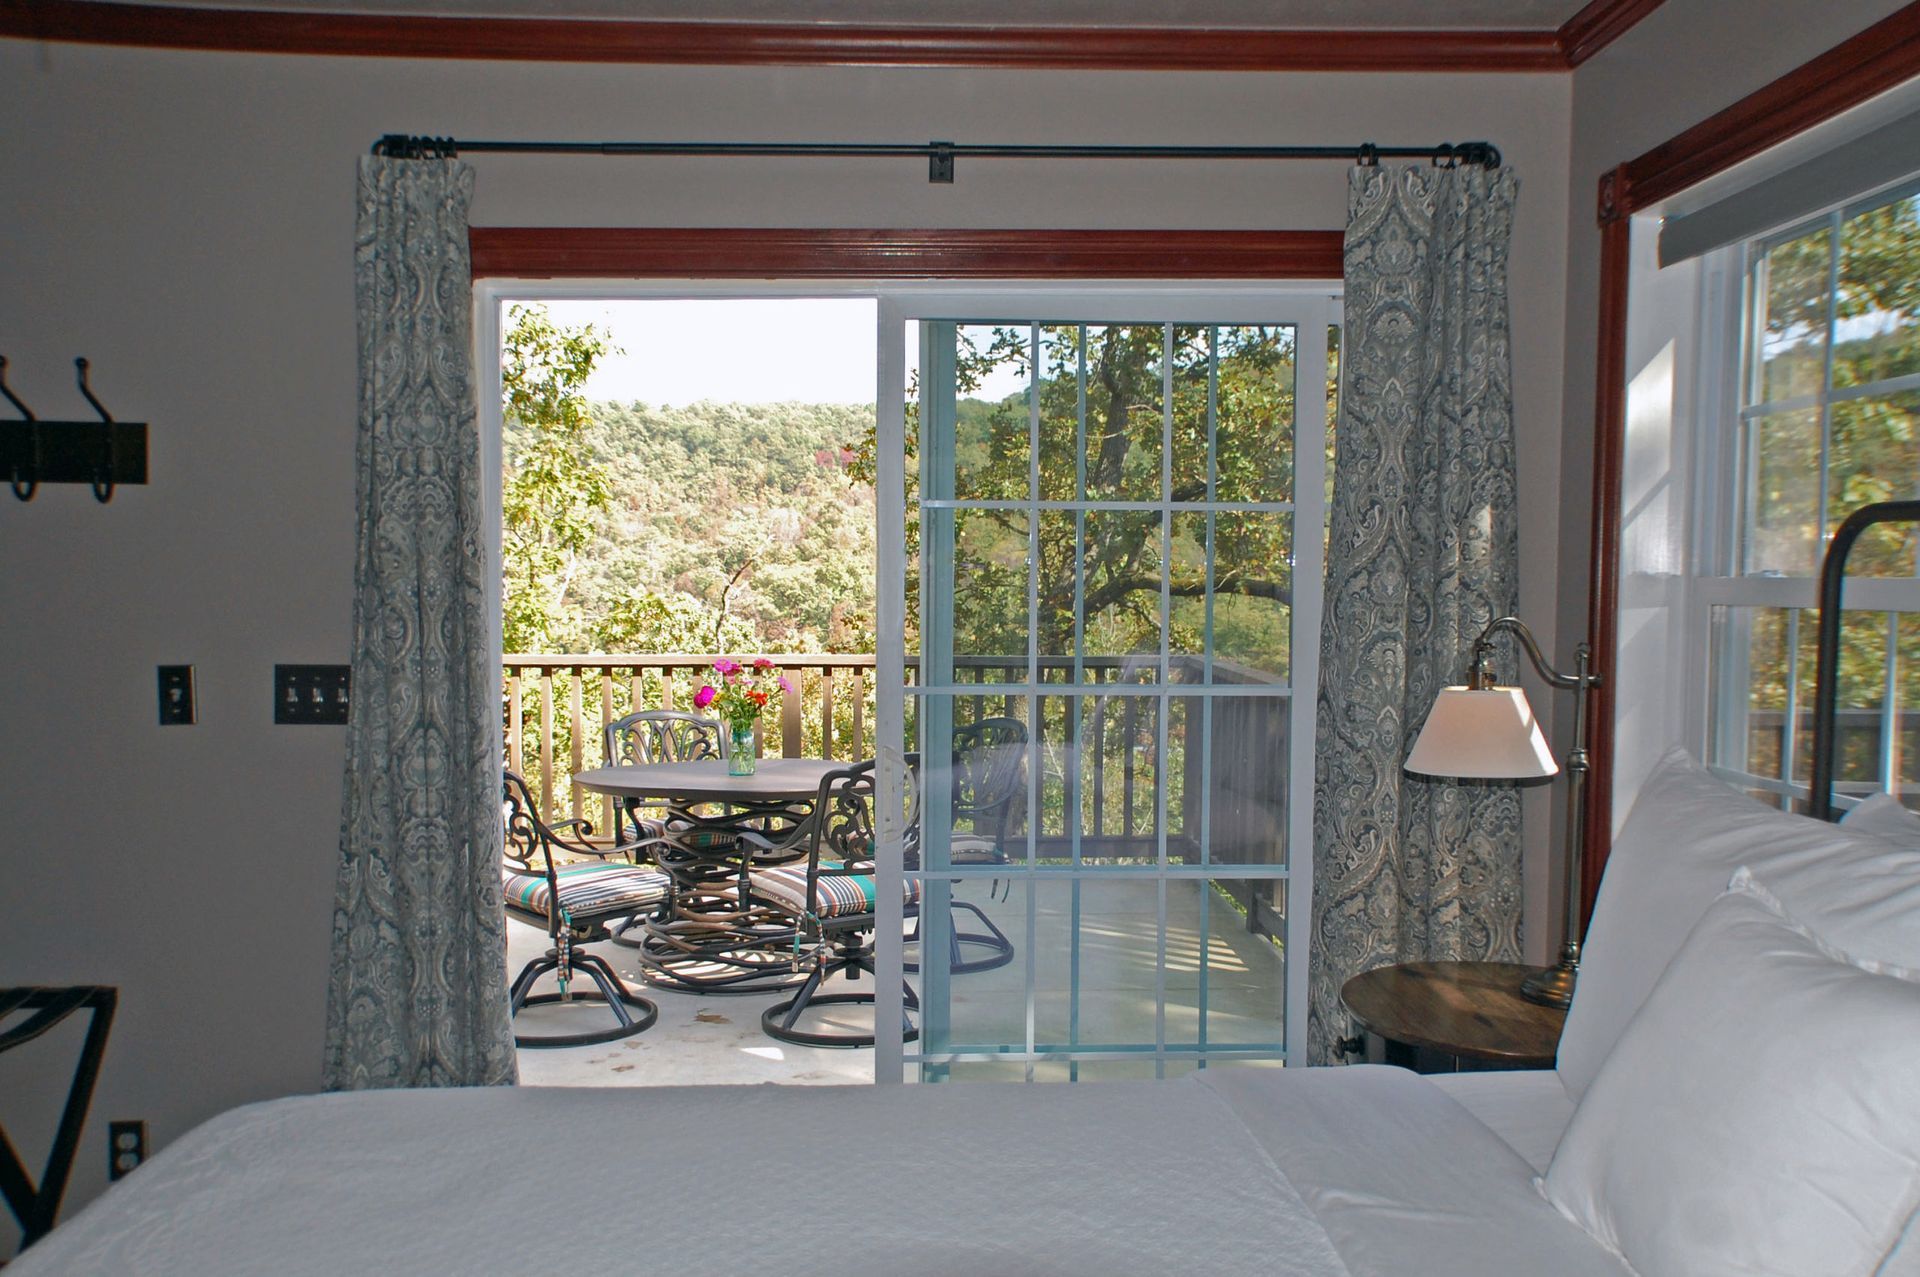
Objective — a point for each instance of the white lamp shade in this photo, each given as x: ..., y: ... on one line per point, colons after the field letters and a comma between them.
x: 1483, y: 735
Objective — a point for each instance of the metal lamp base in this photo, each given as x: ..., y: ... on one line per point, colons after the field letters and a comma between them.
x: 1552, y: 986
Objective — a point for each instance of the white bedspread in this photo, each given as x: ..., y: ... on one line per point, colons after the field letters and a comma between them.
x: 1103, y: 1180
x: 1405, y: 1180
x: 1349, y: 1172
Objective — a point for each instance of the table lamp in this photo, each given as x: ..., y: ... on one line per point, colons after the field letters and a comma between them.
x: 1487, y: 732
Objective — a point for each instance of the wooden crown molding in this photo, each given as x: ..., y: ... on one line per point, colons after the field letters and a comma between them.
x: 1598, y: 25
x: 1877, y: 59
x: 515, y: 252
x: 1884, y: 55
x: 819, y: 44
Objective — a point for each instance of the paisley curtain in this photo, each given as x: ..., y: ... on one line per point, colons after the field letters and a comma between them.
x: 418, y: 990
x: 1422, y: 554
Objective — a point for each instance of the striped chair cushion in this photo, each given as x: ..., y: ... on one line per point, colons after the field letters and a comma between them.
x: 589, y: 891
x: 834, y: 895
x: 650, y: 831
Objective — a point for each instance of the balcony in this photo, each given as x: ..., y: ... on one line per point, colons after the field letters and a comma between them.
x: 1096, y: 948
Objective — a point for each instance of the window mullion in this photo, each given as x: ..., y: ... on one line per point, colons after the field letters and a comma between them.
x: 1826, y: 379
x: 1890, y: 704
x: 1791, y: 722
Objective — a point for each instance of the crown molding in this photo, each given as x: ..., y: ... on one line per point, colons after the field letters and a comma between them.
x: 818, y: 44
x: 1879, y: 58
x: 1598, y: 25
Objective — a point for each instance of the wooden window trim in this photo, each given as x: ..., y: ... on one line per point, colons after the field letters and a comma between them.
x: 519, y: 252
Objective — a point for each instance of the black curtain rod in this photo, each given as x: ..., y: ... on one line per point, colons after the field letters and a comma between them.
x: 941, y: 155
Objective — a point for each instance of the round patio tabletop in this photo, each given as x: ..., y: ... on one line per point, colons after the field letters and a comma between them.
x: 707, y: 781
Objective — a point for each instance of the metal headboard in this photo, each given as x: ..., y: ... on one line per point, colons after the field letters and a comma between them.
x: 1826, y: 680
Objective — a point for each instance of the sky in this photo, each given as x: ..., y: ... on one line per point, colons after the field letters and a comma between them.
x: 732, y: 351
x: 736, y: 350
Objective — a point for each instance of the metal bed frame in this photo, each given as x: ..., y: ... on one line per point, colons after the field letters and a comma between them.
x: 1826, y: 679
x: 36, y: 1206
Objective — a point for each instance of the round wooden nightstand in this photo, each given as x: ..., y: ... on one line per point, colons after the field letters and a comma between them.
x: 1452, y: 1017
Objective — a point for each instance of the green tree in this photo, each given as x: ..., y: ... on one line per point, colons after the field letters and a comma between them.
x: 1873, y: 449
x: 746, y: 512
x: 647, y: 621
x: 1872, y: 454
x: 553, y: 486
x: 1112, y: 450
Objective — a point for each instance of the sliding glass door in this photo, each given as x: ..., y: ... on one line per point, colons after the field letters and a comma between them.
x: 1110, y: 514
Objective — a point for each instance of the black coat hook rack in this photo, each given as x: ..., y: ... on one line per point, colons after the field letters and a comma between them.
x: 101, y: 454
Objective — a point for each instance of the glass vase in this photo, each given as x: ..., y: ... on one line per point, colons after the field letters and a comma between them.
x: 741, y: 759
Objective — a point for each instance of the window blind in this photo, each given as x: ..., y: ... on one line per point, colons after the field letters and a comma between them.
x: 1866, y: 163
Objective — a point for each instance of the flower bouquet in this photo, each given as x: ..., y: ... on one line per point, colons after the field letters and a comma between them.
x: 744, y: 692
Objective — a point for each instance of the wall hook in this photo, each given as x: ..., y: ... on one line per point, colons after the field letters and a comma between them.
x: 22, y: 488
x: 102, y: 483
x: 102, y: 454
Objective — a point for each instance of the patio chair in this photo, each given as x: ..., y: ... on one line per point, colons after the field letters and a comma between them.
x: 989, y: 780
x: 693, y: 940
x: 663, y: 736
x: 573, y: 902
x: 830, y: 899
x: 658, y: 736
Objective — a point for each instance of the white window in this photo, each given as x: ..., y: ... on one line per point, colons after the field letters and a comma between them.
x: 1824, y: 418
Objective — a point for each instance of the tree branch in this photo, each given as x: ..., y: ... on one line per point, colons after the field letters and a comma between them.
x: 1255, y: 587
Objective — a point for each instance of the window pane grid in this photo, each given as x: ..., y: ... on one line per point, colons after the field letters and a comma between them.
x: 1829, y: 294
x: 1124, y: 711
x: 1764, y: 668
x: 1828, y: 421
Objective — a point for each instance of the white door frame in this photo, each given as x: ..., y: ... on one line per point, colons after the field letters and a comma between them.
x: 1314, y: 303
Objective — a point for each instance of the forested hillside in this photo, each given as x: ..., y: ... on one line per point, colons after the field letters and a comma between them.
x: 727, y: 527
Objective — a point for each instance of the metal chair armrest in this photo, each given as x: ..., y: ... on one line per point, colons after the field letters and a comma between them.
x: 578, y: 845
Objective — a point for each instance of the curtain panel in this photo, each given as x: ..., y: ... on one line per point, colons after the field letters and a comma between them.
x: 1422, y: 554
x: 418, y: 989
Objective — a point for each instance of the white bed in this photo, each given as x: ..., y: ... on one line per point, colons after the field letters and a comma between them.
x: 1352, y: 1172
x: 1315, y: 1173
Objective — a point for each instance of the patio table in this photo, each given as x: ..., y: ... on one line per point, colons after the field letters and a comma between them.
x: 711, y: 937
x: 781, y: 780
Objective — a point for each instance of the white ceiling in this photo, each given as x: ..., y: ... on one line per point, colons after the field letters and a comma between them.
x: 1261, y: 14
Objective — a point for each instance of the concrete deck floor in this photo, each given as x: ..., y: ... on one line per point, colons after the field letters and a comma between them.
x: 717, y: 1039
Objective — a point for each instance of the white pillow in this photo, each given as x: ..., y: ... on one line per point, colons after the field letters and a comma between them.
x: 1884, y: 816
x: 1686, y: 835
x: 1761, y: 1114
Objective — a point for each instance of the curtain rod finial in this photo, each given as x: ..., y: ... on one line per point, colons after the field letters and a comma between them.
x: 403, y: 146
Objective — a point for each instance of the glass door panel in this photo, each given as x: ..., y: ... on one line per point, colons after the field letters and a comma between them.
x: 1113, y: 606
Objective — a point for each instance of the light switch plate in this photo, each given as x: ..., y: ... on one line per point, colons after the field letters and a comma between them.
x: 176, y: 696
x: 310, y: 694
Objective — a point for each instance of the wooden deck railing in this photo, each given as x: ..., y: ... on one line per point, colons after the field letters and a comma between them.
x: 557, y: 707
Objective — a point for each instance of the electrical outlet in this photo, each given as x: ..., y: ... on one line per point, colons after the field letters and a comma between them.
x: 310, y: 694
x: 176, y: 695
x: 126, y: 1147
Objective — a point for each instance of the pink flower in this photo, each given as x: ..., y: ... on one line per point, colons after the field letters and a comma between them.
x: 763, y: 664
x: 704, y: 697
x: 784, y: 685
x: 724, y: 666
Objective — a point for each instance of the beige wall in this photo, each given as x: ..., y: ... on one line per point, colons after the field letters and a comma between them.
x: 185, y: 221
x: 1687, y: 60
